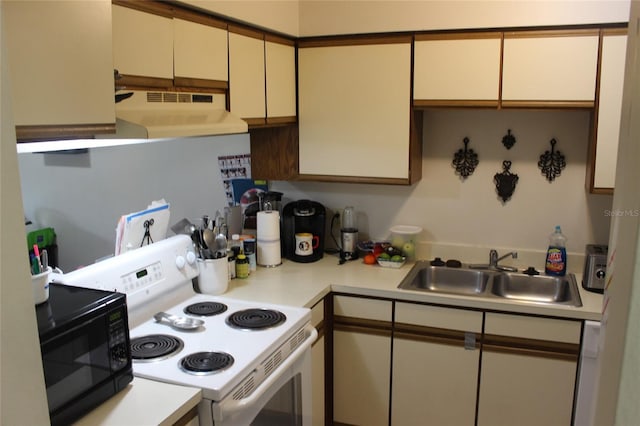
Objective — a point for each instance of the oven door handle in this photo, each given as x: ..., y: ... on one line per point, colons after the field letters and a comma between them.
x: 229, y: 407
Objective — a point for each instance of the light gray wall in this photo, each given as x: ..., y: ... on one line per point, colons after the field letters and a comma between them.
x: 469, y: 212
x: 82, y: 196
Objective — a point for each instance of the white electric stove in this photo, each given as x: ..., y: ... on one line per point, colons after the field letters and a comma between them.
x: 251, y: 360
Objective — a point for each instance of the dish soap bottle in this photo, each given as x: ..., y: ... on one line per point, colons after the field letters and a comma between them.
x: 556, y: 263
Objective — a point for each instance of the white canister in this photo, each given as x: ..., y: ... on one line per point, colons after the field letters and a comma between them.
x: 214, y: 275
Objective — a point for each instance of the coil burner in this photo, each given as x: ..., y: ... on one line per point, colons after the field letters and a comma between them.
x: 202, y: 363
x: 154, y: 347
x: 255, y: 319
x: 205, y: 309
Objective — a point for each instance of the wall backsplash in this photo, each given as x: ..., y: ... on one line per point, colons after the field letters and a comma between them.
x: 469, y: 212
x: 83, y: 196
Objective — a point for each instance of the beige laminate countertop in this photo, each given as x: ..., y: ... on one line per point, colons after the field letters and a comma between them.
x: 144, y: 403
x: 304, y: 284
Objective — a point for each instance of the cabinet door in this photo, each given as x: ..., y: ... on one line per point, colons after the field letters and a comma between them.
x: 454, y: 68
x: 528, y: 370
x: 525, y: 390
x: 247, y: 75
x: 436, y: 354
x: 142, y: 43
x: 200, y: 51
x: 61, y: 67
x: 361, y: 361
x: 549, y: 67
x: 354, y: 110
x: 612, y: 65
x: 280, y: 63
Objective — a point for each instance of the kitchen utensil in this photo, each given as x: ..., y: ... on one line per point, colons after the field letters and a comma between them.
x: 183, y: 226
x: 220, y: 246
x: 182, y: 323
x: 209, y: 239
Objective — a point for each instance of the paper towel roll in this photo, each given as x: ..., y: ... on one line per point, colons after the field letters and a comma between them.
x: 268, y: 225
x: 268, y: 253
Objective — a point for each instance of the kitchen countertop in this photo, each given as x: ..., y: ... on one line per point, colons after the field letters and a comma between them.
x: 304, y: 284
x: 144, y: 402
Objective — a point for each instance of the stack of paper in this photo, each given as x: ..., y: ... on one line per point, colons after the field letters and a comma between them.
x: 142, y: 228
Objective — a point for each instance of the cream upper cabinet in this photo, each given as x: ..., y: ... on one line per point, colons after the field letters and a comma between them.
x: 445, y: 344
x: 61, y: 67
x: 200, y: 51
x: 280, y: 64
x: 142, y: 43
x: 354, y: 111
x: 546, y: 66
x: 247, y: 75
x: 528, y: 370
x: 612, y: 67
x: 453, y: 68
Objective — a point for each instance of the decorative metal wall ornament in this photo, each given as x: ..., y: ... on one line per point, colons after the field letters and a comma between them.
x: 505, y: 182
x: 508, y: 140
x: 465, y: 160
x: 552, y: 162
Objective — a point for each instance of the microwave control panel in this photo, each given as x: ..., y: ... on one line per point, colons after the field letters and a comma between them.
x: 119, y: 350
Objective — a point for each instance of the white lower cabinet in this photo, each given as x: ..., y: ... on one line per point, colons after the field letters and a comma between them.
x: 436, y: 353
x: 528, y: 371
x: 361, y: 361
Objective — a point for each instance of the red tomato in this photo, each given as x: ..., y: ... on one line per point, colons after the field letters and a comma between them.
x: 369, y: 259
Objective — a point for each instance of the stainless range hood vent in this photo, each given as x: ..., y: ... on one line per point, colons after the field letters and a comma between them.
x: 159, y: 114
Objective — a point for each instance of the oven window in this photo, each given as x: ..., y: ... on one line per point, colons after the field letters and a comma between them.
x: 284, y: 408
x: 74, y: 362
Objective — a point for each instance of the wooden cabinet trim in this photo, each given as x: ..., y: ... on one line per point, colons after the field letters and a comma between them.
x: 353, y: 40
x: 246, y: 31
x: 552, y: 33
x: 147, y: 6
x: 614, y: 31
x: 518, y: 344
x: 382, y: 328
x: 457, y: 36
x: 547, y: 104
x: 455, y: 103
x: 353, y: 179
x: 200, y: 83
x: 52, y: 132
x: 133, y: 82
x: 433, y: 335
x: 278, y: 39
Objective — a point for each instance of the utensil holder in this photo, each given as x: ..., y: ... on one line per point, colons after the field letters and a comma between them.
x: 214, y: 275
x: 40, y: 286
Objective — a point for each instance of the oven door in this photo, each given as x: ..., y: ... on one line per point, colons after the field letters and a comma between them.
x: 284, y: 398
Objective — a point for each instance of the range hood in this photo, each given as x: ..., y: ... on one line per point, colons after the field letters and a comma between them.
x: 157, y: 114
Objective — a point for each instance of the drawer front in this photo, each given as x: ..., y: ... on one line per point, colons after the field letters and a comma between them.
x: 527, y: 327
x: 434, y: 316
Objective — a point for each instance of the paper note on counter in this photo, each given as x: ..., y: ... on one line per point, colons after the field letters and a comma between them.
x: 142, y: 228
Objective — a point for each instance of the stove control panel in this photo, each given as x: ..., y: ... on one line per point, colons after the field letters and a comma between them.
x: 141, y: 273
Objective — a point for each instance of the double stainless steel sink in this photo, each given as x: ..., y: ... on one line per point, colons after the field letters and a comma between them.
x: 489, y: 283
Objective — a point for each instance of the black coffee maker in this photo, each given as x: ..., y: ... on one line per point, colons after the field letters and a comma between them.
x: 303, y: 231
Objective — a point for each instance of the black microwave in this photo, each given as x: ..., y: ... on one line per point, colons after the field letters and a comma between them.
x: 84, y: 340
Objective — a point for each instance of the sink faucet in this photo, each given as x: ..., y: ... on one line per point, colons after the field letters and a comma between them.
x: 494, y: 260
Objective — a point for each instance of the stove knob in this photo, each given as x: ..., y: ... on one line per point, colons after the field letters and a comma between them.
x: 180, y: 262
x: 191, y: 257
